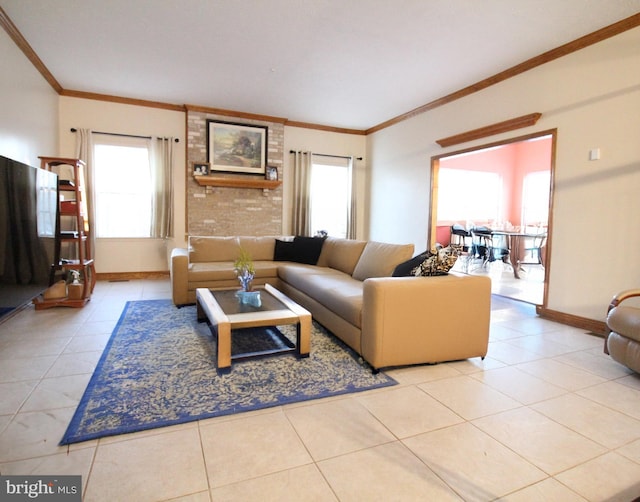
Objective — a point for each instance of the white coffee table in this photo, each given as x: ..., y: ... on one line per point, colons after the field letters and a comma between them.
x: 225, y: 313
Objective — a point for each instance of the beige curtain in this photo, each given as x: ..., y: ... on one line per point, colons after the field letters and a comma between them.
x: 301, y: 188
x: 84, y: 151
x: 162, y: 186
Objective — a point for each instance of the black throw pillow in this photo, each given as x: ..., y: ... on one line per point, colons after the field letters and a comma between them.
x: 405, y: 268
x: 283, y: 251
x: 307, y: 249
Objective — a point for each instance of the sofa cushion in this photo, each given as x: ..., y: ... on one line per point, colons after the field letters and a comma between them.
x: 259, y: 248
x: 344, y: 299
x: 223, y: 270
x: 341, y: 254
x: 210, y: 249
x: 297, y: 274
x: 379, y: 259
x: 337, y: 291
x: 211, y: 271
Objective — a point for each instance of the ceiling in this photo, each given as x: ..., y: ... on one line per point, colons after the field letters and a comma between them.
x: 341, y: 63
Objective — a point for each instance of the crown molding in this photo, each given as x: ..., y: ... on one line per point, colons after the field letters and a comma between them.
x: 563, y: 50
x: 122, y: 100
x: 269, y: 118
x: 233, y: 113
x: 319, y: 127
x: 28, y: 51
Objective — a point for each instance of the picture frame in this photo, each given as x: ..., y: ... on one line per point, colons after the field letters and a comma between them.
x: 200, y: 168
x: 272, y: 173
x: 237, y: 148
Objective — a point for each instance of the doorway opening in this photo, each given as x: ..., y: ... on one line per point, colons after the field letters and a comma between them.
x: 504, y: 189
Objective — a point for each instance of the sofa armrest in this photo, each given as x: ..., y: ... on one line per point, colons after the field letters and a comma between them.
x: 622, y: 296
x: 179, y: 268
x: 413, y: 320
x: 615, y: 302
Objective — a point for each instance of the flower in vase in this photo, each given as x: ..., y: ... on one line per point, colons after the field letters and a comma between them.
x: 244, y: 269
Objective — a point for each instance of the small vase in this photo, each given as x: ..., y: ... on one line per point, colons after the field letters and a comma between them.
x: 245, y: 279
x: 249, y: 298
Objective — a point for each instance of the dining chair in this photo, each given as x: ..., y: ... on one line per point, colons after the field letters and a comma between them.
x: 499, y: 247
x: 460, y: 236
x: 489, y: 246
x: 533, y: 250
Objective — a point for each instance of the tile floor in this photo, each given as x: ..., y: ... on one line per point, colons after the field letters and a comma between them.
x: 546, y: 416
x: 528, y: 288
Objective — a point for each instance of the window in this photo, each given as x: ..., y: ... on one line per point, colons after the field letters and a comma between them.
x: 535, y: 199
x: 123, y: 190
x: 330, y: 195
x: 469, y: 196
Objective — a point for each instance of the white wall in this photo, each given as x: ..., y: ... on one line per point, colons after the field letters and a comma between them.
x: 29, y: 108
x: 329, y: 143
x: 140, y: 255
x: 130, y: 255
x: 593, y: 98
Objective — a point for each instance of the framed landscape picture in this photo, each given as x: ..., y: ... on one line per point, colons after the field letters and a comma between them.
x: 236, y: 148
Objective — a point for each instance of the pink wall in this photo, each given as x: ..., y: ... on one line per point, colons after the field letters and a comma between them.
x: 531, y: 156
x: 443, y: 234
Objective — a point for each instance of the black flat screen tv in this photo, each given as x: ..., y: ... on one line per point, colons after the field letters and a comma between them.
x: 28, y: 222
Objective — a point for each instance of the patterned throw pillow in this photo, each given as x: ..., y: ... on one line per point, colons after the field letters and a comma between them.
x: 438, y: 263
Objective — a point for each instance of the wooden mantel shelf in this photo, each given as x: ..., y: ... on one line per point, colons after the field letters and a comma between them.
x: 212, y: 181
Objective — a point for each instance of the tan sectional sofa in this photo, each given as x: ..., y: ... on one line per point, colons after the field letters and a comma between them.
x: 389, y: 321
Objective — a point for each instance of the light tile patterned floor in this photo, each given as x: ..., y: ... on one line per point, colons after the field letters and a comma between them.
x: 546, y: 416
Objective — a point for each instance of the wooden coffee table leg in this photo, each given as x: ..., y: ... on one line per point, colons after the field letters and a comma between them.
x: 224, y: 345
x: 304, y: 336
x: 201, y: 316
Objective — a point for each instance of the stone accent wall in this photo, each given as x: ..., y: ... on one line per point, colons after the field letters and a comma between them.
x: 231, y: 211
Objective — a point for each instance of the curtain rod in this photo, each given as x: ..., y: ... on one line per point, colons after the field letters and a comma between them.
x: 73, y: 129
x: 326, y: 155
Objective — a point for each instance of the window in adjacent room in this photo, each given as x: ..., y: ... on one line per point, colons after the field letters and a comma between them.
x: 330, y: 195
x: 123, y: 190
x: 535, y: 199
x: 469, y: 196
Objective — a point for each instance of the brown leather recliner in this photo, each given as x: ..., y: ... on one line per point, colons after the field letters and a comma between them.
x: 623, y: 321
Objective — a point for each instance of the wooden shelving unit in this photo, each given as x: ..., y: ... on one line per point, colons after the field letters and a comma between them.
x: 213, y: 181
x: 73, y: 246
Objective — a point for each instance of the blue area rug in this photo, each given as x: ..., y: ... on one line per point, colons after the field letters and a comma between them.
x: 6, y: 310
x: 159, y: 369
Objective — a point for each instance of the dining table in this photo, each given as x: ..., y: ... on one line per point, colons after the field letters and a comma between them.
x: 516, y: 245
